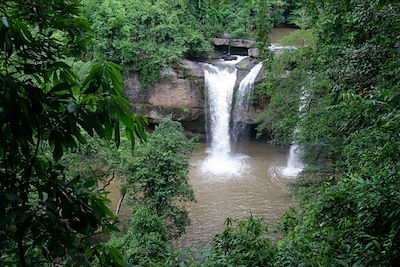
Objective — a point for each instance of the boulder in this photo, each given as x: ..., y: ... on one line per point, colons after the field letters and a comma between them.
x: 253, y: 52
x: 175, y: 93
x: 244, y: 67
x: 246, y: 64
x: 243, y: 43
x: 192, y: 68
x: 245, y: 46
x: 229, y: 57
x: 220, y: 41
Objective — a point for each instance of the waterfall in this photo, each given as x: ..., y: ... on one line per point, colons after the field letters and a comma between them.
x: 242, y: 105
x: 220, y: 81
x: 294, y: 164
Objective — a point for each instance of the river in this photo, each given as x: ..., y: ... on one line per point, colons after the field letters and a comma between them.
x: 280, y: 32
x: 258, y: 191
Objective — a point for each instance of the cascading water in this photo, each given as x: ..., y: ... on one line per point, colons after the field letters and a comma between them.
x: 220, y: 81
x: 242, y: 104
x: 294, y: 164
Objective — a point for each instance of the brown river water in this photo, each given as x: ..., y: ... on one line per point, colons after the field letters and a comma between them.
x: 280, y: 32
x: 257, y: 191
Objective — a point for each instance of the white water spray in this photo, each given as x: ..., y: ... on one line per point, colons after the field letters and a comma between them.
x: 242, y: 105
x: 220, y: 82
x: 294, y: 164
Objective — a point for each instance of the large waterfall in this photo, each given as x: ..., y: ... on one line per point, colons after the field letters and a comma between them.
x: 220, y: 79
x: 242, y: 104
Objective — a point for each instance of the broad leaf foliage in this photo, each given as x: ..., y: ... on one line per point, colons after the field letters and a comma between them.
x: 44, y: 216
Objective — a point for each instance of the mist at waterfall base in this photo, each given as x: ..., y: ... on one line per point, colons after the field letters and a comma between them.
x: 220, y: 81
x: 294, y: 164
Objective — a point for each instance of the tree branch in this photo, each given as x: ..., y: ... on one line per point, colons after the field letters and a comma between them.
x: 109, y: 181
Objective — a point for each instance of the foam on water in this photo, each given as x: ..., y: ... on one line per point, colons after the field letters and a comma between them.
x: 294, y: 164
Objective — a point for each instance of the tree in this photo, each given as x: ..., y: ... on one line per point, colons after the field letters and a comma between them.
x: 156, y: 186
x: 264, y: 28
x: 159, y: 175
x: 44, y: 216
x: 146, y: 242
x: 144, y: 36
x: 242, y: 243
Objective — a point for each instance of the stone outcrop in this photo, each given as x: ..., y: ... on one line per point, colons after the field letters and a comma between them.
x: 179, y: 93
x: 242, y: 43
x: 191, y: 68
x: 253, y: 52
x: 236, y: 46
x: 245, y: 66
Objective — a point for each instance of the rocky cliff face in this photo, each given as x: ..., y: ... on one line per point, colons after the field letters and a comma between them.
x: 179, y: 94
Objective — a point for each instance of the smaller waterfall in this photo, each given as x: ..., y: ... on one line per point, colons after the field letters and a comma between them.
x: 294, y: 164
x: 242, y: 104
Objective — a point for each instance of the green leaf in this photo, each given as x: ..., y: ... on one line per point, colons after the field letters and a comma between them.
x: 342, y: 263
x: 58, y: 149
x: 79, y: 136
x: 60, y: 87
x: 131, y: 137
x: 11, y: 197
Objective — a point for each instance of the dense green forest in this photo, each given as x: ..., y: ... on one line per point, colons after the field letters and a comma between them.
x: 159, y: 32
x: 349, y: 195
x: 67, y: 131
